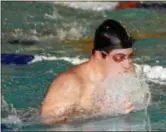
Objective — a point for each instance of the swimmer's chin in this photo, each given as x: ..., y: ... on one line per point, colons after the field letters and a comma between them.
x: 127, y: 73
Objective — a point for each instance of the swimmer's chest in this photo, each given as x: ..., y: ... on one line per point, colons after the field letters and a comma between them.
x: 89, y: 97
x: 86, y: 95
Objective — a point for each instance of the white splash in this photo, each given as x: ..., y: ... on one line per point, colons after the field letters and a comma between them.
x: 112, y: 94
x: 156, y: 74
x: 9, y: 114
x: 12, y: 119
x: 19, y: 117
x: 74, y: 60
x: 68, y: 30
x: 72, y: 30
x: 89, y: 5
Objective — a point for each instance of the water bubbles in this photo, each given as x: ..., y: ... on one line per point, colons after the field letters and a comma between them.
x: 95, y: 6
x: 15, y: 119
x: 71, y: 30
x: 116, y: 90
x: 9, y: 115
x: 156, y: 74
x: 12, y: 119
x: 73, y: 60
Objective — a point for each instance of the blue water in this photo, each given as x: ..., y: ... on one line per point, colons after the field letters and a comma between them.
x: 46, y: 29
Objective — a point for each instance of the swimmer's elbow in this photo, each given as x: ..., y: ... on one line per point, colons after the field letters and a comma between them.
x: 48, y: 118
x: 44, y: 119
x: 51, y: 121
x: 44, y: 114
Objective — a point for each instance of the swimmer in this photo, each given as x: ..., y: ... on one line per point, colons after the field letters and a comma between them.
x: 73, y: 89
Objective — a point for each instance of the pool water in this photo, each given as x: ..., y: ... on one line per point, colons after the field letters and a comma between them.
x: 58, y: 36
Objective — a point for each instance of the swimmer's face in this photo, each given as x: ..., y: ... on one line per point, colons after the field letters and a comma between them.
x: 119, y: 60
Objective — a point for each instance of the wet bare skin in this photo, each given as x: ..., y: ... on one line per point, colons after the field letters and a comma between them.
x: 70, y: 94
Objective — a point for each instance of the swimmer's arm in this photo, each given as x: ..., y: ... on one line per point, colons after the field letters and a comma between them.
x: 60, y: 99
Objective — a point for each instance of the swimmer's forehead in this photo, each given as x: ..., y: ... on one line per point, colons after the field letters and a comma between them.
x: 124, y: 51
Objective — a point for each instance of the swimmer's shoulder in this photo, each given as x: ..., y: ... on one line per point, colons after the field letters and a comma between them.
x: 65, y: 81
x: 67, y: 78
x: 71, y: 76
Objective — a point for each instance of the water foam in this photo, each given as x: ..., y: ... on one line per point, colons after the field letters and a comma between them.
x: 73, y: 30
x: 9, y: 114
x: 16, y: 118
x: 67, y: 30
x: 120, y: 89
x: 95, y: 6
x: 156, y: 74
x: 73, y: 60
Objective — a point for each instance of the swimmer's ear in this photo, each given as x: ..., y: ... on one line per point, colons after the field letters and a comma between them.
x: 98, y: 55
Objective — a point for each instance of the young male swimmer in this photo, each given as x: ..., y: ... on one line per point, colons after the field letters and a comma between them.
x: 72, y: 92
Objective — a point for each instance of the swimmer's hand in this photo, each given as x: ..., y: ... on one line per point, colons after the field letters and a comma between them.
x: 128, y: 107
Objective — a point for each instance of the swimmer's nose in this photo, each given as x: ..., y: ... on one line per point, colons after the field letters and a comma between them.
x: 127, y: 63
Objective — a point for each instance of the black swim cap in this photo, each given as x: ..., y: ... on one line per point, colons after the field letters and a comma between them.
x: 111, y: 35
